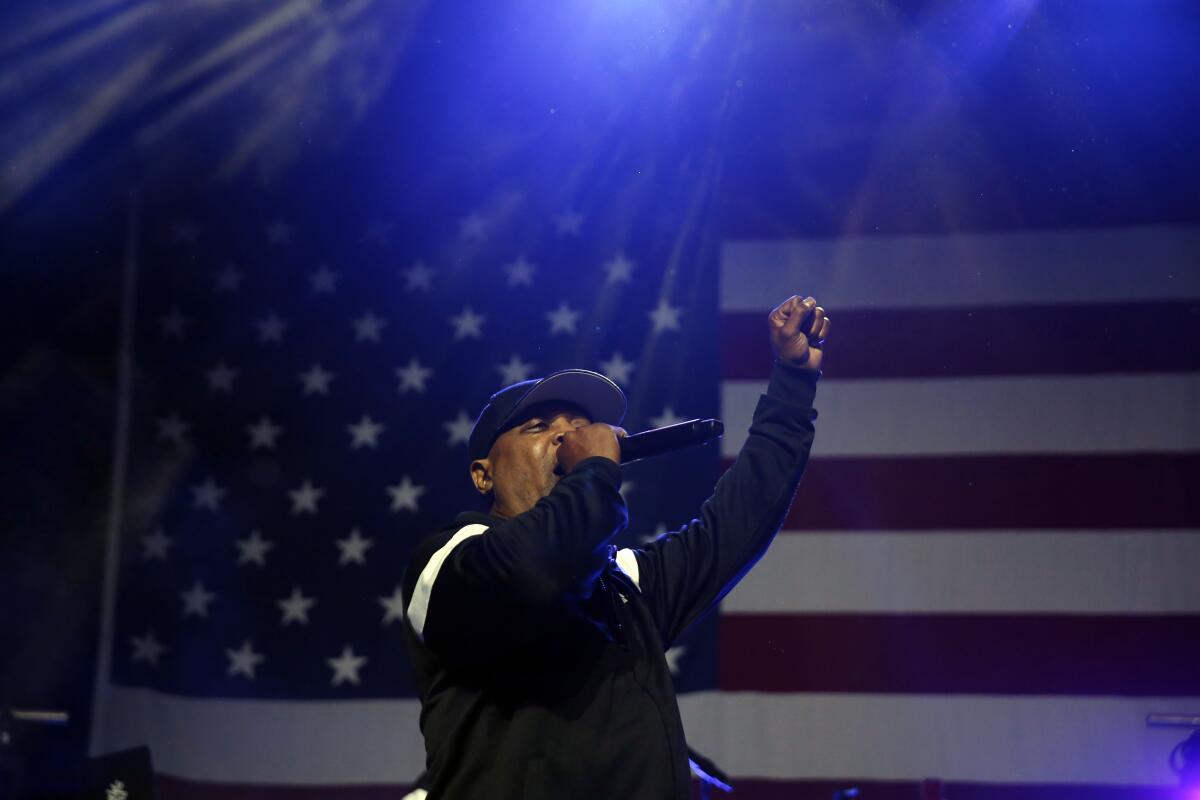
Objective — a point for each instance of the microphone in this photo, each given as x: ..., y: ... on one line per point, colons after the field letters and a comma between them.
x: 673, y: 437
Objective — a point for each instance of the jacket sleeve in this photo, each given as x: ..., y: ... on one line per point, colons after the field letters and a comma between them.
x: 472, y: 594
x: 684, y: 574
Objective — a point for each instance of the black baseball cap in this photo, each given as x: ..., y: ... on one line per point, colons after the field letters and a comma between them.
x: 602, y: 399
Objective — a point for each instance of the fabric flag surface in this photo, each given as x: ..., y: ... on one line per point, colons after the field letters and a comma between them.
x: 989, y: 571
x: 298, y: 408
x: 988, y: 574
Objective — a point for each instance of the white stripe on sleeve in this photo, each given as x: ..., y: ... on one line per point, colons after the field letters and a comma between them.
x: 627, y: 563
x: 418, y: 606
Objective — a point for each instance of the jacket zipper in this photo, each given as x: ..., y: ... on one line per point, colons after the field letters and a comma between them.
x: 614, y: 610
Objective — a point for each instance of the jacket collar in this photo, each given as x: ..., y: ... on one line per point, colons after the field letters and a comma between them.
x: 476, y: 518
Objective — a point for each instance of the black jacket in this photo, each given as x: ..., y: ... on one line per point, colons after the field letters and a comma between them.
x: 539, y: 648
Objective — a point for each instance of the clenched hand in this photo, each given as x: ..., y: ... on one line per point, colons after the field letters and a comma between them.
x: 798, y: 329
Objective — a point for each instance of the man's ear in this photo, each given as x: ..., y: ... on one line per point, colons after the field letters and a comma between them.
x: 481, y: 475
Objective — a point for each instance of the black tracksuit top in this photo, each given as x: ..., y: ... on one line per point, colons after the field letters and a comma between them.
x: 539, y: 648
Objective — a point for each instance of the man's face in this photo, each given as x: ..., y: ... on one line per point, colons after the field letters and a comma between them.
x: 522, y: 466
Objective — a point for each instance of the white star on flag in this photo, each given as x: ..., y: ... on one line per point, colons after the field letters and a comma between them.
x: 229, y: 279
x: 271, y: 329
x: 393, y: 607
x: 295, y: 607
x: 620, y: 269
x: 173, y: 429
x: 243, y: 660
x: 568, y: 223
x: 353, y: 548
x: 253, y: 549
x: 468, y: 324
x: 617, y: 368
x: 405, y: 494
x: 263, y: 434
x: 413, y: 376
x: 665, y: 316
x: 473, y: 226
x: 365, y: 433
x: 174, y: 323
x: 155, y: 545
x: 323, y: 281
x: 520, y: 272
x: 220, y: 378
x: 563, y: 319
x: 346, y: 666
x: 368, y: 327
x: 418, y: 276
x: 514, y: 371
x: 459, y: 429
x: 208, y: 495
x: 185, y: 231
x: 378, y: 232
x: 316, y: 380
x: 668, y: 417
x: 196, y: 600
x: 305, y: 499
x: 146, y: 648
x: 279, y: 232
x: 659, y: 530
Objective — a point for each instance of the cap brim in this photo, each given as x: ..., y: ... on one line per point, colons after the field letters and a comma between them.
x: 602, y: 399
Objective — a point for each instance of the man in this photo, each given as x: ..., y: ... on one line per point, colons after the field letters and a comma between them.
x: 539, y: 649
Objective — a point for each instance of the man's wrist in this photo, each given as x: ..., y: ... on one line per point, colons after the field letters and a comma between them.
x: 798, y: 368
x: 603, y: 465
x: 794, y: 385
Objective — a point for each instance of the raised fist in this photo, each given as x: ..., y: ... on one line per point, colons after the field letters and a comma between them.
x: 798, y: 329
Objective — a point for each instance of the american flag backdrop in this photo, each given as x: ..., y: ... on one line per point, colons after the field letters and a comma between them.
x: 298, y: 413
x: 988, y: 576
x: 355, y: 221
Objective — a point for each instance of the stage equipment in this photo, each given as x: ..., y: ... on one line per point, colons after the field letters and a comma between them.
x: 1185, y: 756
x: 14, y: 757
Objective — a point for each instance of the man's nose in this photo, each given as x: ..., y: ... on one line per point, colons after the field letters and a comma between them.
x: 563, y: 429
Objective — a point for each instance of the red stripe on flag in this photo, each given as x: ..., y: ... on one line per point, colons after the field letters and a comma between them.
x: 1092, y: 491
x: 959, y: 342
x: 172, y: 788
x: 960, y: 654
x: 759, y: 789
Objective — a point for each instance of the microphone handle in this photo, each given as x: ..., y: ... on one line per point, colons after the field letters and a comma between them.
x: 671, y: 437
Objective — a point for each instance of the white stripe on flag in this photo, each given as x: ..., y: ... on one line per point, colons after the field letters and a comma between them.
x: 992, y: 269
x: 1119, y: 572
x: 958, y: 737
x: 1003, y: 739
x: 268, y: 741
x: 1076, y: 414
